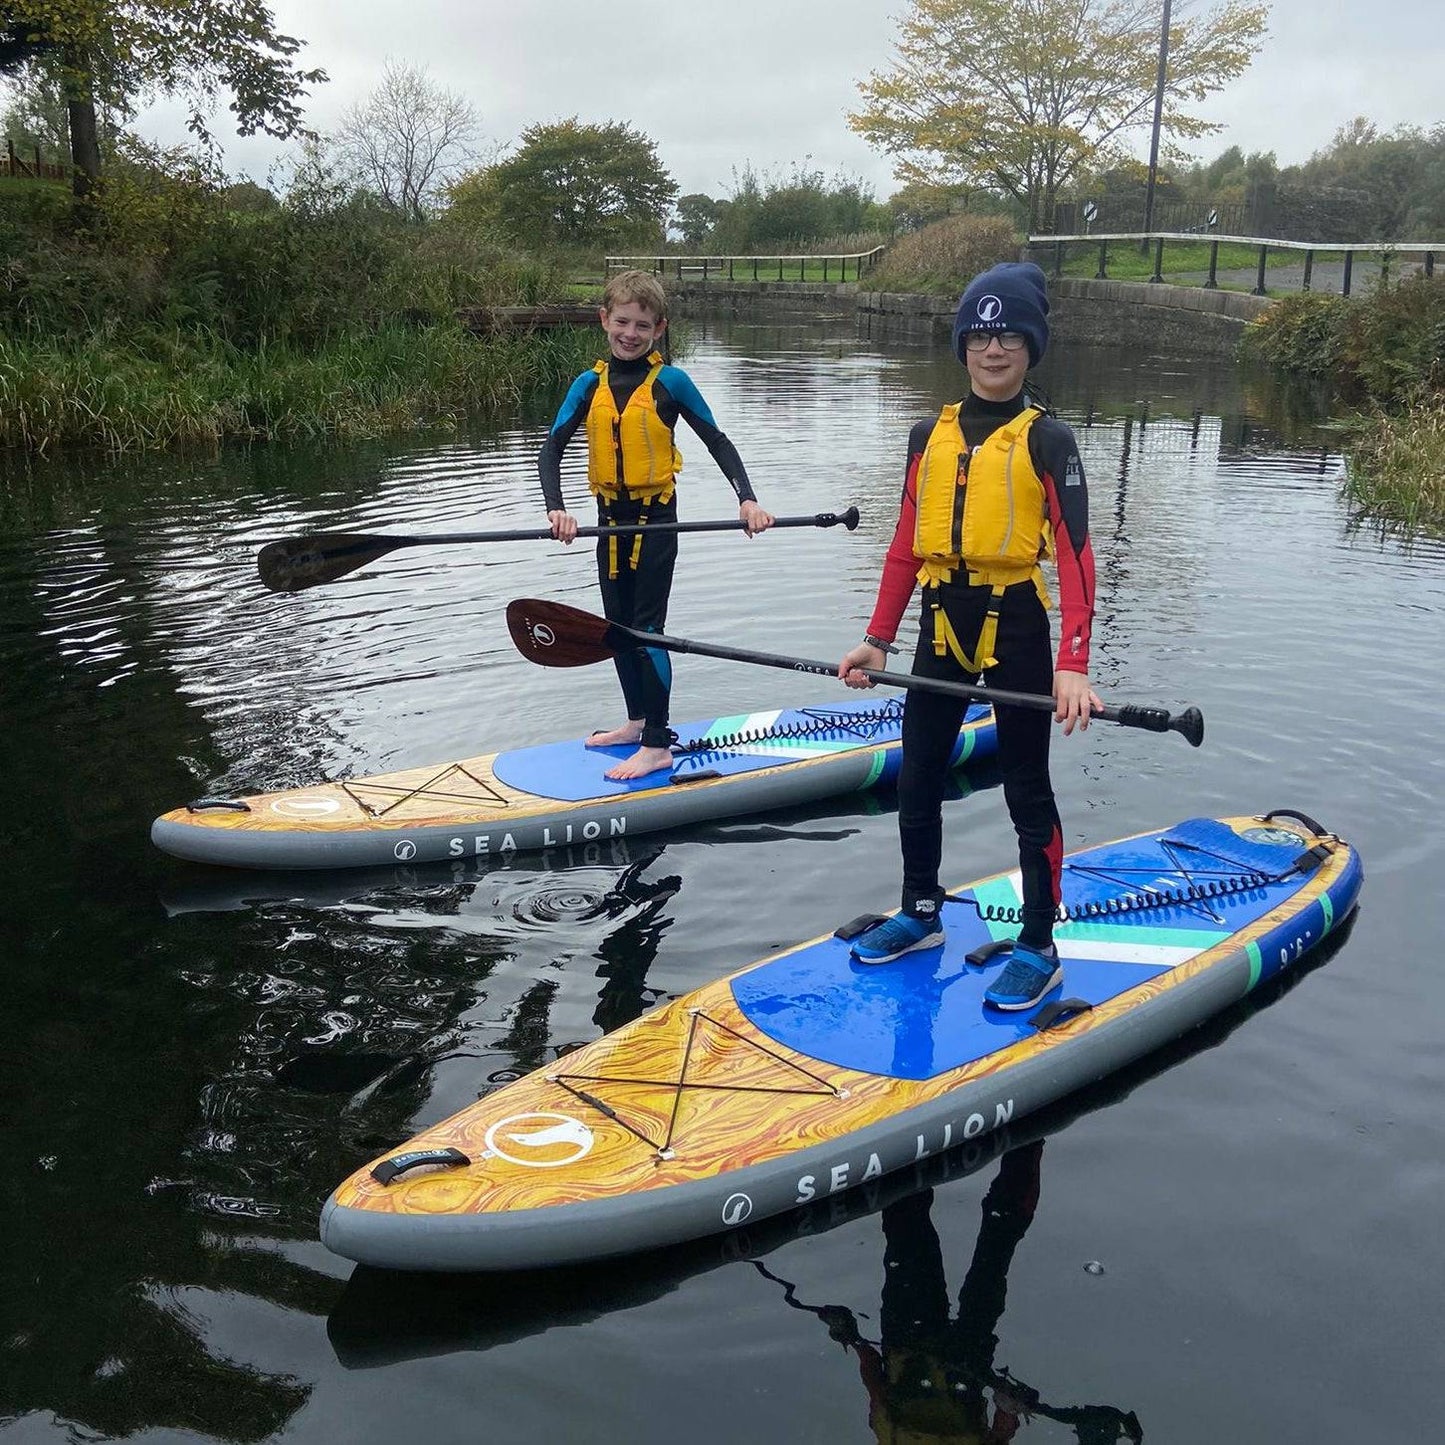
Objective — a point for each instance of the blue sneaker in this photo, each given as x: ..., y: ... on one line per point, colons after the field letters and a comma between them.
x: 896, y: 936
x: 1028, y: 977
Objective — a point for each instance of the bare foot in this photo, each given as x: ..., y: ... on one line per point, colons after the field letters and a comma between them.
x: 642, y: 762
x: 629, y: 732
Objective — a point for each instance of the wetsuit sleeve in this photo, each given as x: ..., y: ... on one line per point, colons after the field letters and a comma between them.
x: 900, y: 566
x: 569, y: 417
x: 1056, y: 458
x: 674, y: 385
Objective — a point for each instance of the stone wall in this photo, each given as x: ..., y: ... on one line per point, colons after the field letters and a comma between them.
x: 834, y: 297
x: 1120, y: 313
x: 1114, y: 313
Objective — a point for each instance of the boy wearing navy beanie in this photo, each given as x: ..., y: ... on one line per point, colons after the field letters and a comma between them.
x: 991, y: 487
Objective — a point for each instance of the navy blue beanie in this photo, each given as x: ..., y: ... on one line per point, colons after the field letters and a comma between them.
x: 1012, y: 296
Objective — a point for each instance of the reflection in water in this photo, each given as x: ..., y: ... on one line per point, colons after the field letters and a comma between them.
x: 931, y: 1376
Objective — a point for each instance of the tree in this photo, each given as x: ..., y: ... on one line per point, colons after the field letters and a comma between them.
x: 578, y: 185
x: 695, y: 217
x: 1018, y: 95
x: 35, y: 114
x: 114, y: 52
x: 1387, y: 171
x: 409, y: 139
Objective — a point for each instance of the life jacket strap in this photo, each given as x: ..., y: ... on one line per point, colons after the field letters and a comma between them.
x: 636, y: 555
x: 945, y: 639
x: 609, y: 521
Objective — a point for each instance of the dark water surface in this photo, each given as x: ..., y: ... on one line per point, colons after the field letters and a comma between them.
x: 1238, y: 1241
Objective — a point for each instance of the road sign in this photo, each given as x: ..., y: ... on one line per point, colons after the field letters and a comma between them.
x: 1213, y: 219
x: 1091, y: 211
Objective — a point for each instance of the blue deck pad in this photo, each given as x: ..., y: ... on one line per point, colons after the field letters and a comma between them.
x: 924, y: 1014
x: 572, y: 772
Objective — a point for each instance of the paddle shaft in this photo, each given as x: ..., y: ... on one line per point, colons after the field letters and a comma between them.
x: 296, y: 563
x: 1152, y: 719
x: 542, y: 534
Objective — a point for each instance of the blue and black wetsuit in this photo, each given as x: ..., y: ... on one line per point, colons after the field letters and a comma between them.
x: 637, y: 596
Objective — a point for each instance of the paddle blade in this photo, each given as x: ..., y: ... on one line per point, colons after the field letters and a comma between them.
x: 555, y: 635
x: 296, y: 563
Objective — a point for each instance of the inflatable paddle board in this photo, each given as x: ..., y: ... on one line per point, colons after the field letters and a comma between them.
x: 556, y: 795
x: 808, y: 1073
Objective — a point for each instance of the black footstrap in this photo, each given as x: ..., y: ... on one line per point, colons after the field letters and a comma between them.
x: 703, y: 775
x: 226, y: 805
x: 855, y: 926
x: 1060, y: 1011
x: 987, y: 952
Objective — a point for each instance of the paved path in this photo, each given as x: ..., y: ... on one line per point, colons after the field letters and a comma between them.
x: 1325, y: 276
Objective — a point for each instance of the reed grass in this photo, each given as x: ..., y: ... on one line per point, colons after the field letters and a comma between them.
x: 1396, y: 467
x: 177, y: 390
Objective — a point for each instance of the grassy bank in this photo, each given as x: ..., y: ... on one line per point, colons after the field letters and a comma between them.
x: 173, y: 390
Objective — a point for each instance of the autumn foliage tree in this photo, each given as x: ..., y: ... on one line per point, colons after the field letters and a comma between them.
x: 1020, y: 95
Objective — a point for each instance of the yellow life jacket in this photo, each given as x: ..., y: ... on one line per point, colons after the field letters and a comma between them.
x: 629, y: 453
x: 983, y: 512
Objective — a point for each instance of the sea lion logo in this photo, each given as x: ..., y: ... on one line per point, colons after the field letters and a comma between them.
x: 306, y: 807
x: 542, y: 635
x: 737, y: 1209
x: 540, y: 1140
x: 405, y: 851
x: 990, y: 308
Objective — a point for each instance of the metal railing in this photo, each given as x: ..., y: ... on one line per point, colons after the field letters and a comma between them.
x: 1385, y: 250
x: 754, y: 268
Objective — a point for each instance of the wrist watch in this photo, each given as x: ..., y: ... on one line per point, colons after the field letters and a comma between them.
x: 879, y: 643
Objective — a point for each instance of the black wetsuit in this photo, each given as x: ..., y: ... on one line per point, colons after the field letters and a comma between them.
x: 1025, y: 664
x: 637, y: 596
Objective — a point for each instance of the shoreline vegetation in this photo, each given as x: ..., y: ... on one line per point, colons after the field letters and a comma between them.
x: 173, y: 311
x: 196, y: 390
x: 1386, y: 360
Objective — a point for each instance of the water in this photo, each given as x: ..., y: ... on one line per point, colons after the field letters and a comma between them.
x: 1237, y: 1240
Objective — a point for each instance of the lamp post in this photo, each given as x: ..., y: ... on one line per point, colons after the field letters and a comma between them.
x: 1158, y: 117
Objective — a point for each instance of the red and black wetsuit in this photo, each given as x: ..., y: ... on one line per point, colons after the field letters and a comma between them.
x: 638, y: 597
x: 1025, y: 664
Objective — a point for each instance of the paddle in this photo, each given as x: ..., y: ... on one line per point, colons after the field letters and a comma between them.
x: 296, y: 563
x: 555, y: 635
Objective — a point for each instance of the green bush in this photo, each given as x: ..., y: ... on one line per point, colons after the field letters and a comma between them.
x: 1397, y: 342
x: 1386, y: 351
x: 1383, y: 348
x: 942, y: 258
x: 1303, y: 334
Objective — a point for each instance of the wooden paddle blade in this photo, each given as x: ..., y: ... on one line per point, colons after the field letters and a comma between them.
x: 555, y: 635
x: 296, y: 563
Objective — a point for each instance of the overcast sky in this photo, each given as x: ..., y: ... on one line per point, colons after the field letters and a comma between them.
x: 767, y: 82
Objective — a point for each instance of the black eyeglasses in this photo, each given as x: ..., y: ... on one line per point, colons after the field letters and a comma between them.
x: 1009, y: 340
